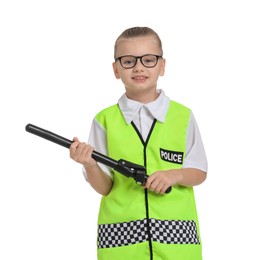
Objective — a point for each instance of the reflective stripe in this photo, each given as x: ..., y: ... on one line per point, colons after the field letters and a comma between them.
x: 162, y: 231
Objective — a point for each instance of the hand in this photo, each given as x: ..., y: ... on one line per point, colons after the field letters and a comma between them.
x: 82, y: 153
x: 159, y: 181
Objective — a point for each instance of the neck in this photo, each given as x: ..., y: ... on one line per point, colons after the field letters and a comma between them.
x: 143, y: 97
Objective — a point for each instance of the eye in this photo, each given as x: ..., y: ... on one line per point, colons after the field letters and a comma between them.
x: 150, y: 59
x: 128, y: 60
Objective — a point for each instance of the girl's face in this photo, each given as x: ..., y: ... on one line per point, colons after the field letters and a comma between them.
x: 140, y: 82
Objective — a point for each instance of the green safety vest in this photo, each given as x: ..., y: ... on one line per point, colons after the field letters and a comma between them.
x: 135, y: 223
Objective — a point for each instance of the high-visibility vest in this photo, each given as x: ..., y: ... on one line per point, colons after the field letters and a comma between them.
x: 135, y: 223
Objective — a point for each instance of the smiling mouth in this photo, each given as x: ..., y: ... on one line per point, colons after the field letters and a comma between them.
x: 140, y: 78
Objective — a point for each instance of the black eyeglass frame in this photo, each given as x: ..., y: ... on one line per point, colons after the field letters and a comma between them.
x: 140, y: 58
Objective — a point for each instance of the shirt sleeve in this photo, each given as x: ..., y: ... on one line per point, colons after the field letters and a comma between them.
x: 195, y: 152
x: 97, y: 139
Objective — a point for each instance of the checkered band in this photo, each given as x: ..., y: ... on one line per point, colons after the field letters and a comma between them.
x: 174, y: 231
x: 162, y: 231
x: 122, y: 234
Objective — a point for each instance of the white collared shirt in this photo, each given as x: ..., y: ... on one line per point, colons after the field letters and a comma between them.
x: 143, y: 116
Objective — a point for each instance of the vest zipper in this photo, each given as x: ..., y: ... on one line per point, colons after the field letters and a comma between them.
x: 146, y: 191
x: 148, y: 224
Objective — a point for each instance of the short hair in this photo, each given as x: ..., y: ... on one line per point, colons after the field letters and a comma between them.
x: 138, y: 32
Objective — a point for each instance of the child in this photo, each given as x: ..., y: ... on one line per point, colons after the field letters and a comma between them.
x: 147, y: 128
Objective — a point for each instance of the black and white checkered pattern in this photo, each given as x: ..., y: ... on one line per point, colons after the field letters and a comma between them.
x: 122, y: 234
x: 174, y: 231
x: 162, y: 231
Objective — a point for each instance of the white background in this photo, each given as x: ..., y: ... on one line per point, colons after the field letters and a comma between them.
x: 55, y: 72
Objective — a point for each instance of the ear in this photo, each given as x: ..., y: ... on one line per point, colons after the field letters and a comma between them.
x: 115, y: 70
x: 162, y: 67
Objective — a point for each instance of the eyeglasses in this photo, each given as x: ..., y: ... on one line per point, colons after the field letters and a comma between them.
x: 147, y: 60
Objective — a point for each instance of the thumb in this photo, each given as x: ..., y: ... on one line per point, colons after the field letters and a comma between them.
x: 75, y: 139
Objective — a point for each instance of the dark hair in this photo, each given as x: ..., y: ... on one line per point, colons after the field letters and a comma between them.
x: 138, y: 32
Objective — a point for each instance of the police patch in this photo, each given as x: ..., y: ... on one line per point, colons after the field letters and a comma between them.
x: 171, y: 156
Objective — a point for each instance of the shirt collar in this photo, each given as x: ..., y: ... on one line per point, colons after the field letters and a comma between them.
x: 158, y: 108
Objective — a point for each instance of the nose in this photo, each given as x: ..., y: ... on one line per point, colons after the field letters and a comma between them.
x: 139, y: 65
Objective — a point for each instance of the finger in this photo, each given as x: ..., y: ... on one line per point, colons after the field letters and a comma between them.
x: 150, y: 180
x: 87, y: 151
x: 75, y: 143
x: 163, y: 189
x: 159, y: 188
x: 75, y: 139
x: 76, y: 150
x: 80, y: 148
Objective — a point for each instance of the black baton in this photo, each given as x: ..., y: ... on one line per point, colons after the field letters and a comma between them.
x: 126, y: 168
